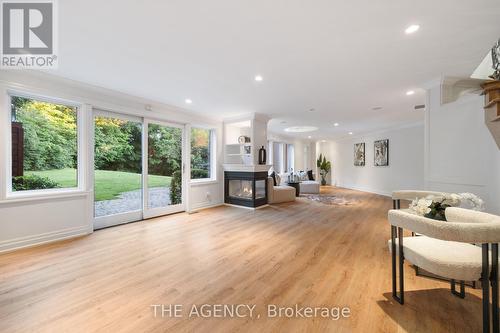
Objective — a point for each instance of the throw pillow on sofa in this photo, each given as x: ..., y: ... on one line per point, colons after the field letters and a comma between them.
x: 278, y: 180
x: 273, y: 176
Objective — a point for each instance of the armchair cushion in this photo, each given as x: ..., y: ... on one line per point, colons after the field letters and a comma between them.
x: 453, y: 260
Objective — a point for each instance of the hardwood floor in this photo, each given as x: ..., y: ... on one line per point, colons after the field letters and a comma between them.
x: 305, y: 253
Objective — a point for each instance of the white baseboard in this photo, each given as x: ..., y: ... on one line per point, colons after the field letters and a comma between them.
x: 204, y: 205
x: 364, y: 189
x: 49, y: 237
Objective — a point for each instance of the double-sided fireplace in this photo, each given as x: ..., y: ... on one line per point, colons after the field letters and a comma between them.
x: 244, y: 188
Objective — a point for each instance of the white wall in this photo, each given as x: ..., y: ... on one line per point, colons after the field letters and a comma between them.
x: 496, y: 184
x: 461, y: 153
x: 30, y: 221
x: 406, y: 161
x: 312, y: 158
x: 299, y: 154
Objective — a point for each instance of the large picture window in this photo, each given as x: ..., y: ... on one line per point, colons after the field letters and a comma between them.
x: 44, y: 145
x: 201, y: 153
x: 283, y: 157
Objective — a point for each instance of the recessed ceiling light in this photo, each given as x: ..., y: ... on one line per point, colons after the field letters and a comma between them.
x: 312, y: 110
x: 409, y: 92
x: 258, y: 78
x: 376, y: 108
x: 336, y: 124
x: 309, y: 137
x: 301, y: 129
x: 412, y: 28
x: 350, y: 133
x: 323, y: 141
x: 188, y: 101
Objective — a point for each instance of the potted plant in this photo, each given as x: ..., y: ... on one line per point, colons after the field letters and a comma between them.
x: 324, y: 168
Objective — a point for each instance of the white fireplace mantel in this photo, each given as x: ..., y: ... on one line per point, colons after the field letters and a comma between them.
x: 247, y: 168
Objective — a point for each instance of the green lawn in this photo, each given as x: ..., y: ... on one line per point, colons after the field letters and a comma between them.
x: 108, y: 184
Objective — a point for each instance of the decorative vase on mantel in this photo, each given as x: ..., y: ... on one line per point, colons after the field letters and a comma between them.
x: 262, y: 155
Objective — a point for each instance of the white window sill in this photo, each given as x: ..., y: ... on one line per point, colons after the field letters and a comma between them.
x: 200, y: 182
x: 45, y: 195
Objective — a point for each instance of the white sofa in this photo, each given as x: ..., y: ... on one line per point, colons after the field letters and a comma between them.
x: 309, y: 186
x: 306, y: 186
x: 280, y: 193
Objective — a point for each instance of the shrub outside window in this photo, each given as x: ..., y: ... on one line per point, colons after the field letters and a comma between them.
x: 44, y: 145
x: 201, y: 153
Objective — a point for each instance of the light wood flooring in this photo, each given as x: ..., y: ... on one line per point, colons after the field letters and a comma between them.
x: 305, y: 253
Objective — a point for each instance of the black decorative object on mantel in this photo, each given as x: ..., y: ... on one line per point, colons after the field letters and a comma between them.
x: 262, y: 155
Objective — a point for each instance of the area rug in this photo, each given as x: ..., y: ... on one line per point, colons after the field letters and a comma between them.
x: 328, y: 199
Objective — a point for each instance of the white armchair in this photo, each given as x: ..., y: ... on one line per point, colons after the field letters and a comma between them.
x: 280, y: 193
x: 446, y: 249
x: 410, y: 195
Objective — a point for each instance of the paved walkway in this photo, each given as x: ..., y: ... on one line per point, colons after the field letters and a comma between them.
x: 130, y: 201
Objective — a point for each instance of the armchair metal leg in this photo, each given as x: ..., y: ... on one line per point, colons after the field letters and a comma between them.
x: 399, y: 233
x: 401, y: 266
x: 460, y: 294
x: 393, y: 259
x: 396, y: 204
x: 486, y: 288
x: 494, y: 286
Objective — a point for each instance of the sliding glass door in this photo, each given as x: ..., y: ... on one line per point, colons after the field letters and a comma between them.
x: 164, y: 168
x: 118, y: 186
x: 138, y: 168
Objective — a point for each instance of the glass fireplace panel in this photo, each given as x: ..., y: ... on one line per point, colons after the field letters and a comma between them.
x: 241, y: 189
x: 260, y: 189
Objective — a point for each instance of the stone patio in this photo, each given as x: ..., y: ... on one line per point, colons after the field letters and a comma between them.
x: 130, y: 201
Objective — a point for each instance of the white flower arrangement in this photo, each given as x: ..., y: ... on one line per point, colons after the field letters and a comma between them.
x: 421, y: 206
x: 474, y: 201
x: 433, y: 206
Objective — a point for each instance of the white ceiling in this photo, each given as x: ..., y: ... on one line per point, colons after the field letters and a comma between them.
x: 341, y: 58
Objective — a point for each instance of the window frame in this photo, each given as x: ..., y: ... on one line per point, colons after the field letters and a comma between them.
x: 213, y: 151
x: 80, y: 187
x: 290, y: 157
